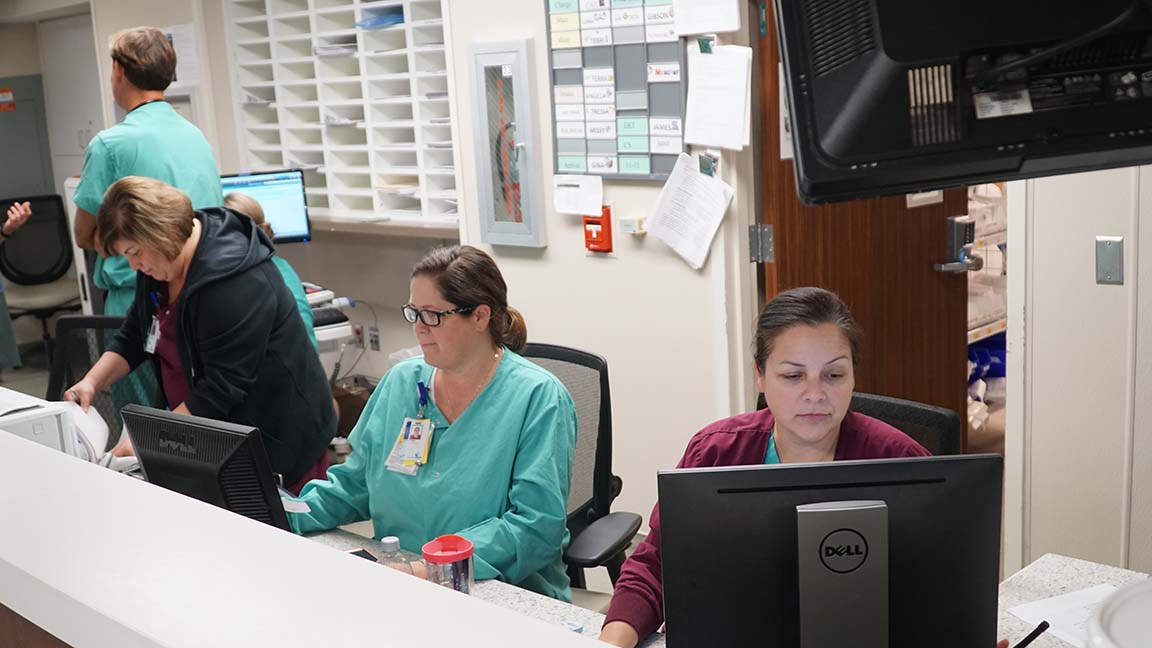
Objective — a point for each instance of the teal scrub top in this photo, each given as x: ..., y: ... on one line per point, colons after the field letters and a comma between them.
x: 297, y: 288
x: 771, y: 456
x: 499, y: 475
x: 152, y: 141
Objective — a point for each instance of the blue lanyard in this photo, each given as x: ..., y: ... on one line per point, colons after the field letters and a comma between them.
x: 155, y: 299
x: 422, y: 391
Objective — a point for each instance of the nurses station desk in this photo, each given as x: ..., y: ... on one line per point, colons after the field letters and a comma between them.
x: 100, y: 560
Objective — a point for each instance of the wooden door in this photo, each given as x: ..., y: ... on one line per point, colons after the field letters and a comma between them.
x: 877, y: 255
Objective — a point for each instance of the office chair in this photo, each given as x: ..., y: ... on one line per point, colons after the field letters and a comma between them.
x: 80, y: 341
x: 37, y: 262
x: 938, y: 429
x: 599, y: 538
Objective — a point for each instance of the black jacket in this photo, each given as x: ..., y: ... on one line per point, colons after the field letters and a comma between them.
x: 243, y: 347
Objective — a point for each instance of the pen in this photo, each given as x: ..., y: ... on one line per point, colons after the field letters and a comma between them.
x: 75, y: 396
x: 1032, y: 635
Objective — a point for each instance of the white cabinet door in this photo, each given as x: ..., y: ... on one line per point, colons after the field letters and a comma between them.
x: 71, y: 91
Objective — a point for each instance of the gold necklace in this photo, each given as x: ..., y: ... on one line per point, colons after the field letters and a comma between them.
x: 479, y: 387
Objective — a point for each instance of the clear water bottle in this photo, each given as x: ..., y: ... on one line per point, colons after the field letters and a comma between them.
x: 395, y: 557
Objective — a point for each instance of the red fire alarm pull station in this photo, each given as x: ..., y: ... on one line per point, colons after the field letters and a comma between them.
x: 598, y: 231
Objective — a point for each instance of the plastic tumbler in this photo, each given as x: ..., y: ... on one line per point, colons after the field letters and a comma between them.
x: 449, y: 560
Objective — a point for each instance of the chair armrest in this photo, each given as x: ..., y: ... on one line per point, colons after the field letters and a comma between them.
x: 602, y: 540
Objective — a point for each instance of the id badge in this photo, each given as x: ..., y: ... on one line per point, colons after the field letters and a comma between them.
x: 153, y: 336
x: 412, y: 446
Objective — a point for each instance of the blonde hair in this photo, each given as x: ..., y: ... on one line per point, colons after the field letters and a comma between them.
x: 146, y: 56
x: 250, y: 207
x: 146, y: 211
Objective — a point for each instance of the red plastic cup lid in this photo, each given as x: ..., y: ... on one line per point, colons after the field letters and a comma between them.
x: 447, y: 549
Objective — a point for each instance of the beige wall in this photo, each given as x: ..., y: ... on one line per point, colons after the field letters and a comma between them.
x: 674, y: 338
x: 1086, y: 422
x: 19, y: 50
x: 33, y: 10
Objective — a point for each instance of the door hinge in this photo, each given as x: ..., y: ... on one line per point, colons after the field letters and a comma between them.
x: 761, y: 243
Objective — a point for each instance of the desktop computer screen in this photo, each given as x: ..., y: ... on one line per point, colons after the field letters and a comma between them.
x: 215, y: 462
x: 895, y: 553
x: 281, y: 194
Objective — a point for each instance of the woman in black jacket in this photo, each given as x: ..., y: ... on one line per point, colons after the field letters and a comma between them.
x: 214, y: 315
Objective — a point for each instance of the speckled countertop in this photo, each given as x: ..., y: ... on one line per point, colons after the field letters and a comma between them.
x: 1053, y: 575
x: 1049, y: 576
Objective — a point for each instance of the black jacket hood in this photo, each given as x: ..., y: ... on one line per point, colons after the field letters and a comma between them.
x: 230, y: 243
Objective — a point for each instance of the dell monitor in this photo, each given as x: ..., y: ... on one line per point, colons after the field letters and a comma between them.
x: 215, y: 462
x: 902, y: 96
x: 893, y: 553
x: 281, y: 194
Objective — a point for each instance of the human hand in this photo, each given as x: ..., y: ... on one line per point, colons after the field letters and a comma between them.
x: 18, y: 214
x: 81, y: 393
x: 124, y: 448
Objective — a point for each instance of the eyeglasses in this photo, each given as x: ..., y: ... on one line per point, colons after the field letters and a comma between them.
x: 430, y: 317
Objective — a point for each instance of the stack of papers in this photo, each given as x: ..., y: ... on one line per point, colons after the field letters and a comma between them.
x: 336, y: 120
x: 399, y: 189
x: 329, y: 51
x: 719, y: 111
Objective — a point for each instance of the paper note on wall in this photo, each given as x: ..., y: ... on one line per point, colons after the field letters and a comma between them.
x: 689, y: 211
x: 719, y: 111
x: 706, y: 16
x: 578, y: 194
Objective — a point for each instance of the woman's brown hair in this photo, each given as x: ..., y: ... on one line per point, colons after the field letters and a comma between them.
x: 468, y: 277
x: 146, y: 211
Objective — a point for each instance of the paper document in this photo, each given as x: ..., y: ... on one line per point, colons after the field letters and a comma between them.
x: 706, y: 16
x: 689, y: 211
x: 1068, y: 614
x: 578, y: 194
x: 183, y: 38
x: 719, y: 111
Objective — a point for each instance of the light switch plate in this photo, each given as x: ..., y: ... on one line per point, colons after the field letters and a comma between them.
x: 1110, y: 260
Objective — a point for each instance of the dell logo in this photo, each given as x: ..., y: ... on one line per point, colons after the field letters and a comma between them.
x: 843, y: 551
x: 176, y: 441
x: 846, y: 550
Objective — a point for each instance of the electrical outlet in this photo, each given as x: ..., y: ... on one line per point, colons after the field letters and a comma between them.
x: 373, y: 338
x: 358, y: 336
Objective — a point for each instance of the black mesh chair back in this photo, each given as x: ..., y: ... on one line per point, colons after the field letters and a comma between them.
x: 585, y: 375
x: 80, y: 341
x: 40, y: 252
x: 936, y: 428
x: 599, y: 537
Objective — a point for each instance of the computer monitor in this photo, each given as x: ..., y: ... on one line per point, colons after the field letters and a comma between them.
x: 281, y: 194
x: 737, y: 574
x: 215, y: 462
x: 900, y: 96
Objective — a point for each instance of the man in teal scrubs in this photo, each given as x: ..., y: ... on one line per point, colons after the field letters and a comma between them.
x: 153, y: 141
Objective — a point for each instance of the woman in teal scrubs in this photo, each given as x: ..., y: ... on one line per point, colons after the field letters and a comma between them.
x: 503, y: 433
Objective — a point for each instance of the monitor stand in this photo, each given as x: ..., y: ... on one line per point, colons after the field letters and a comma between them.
x: 843, y: 574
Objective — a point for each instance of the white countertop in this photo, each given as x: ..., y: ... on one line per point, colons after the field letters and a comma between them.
x: 103, y: 560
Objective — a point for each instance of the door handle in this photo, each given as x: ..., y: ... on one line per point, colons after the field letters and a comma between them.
x: 969, y: 261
